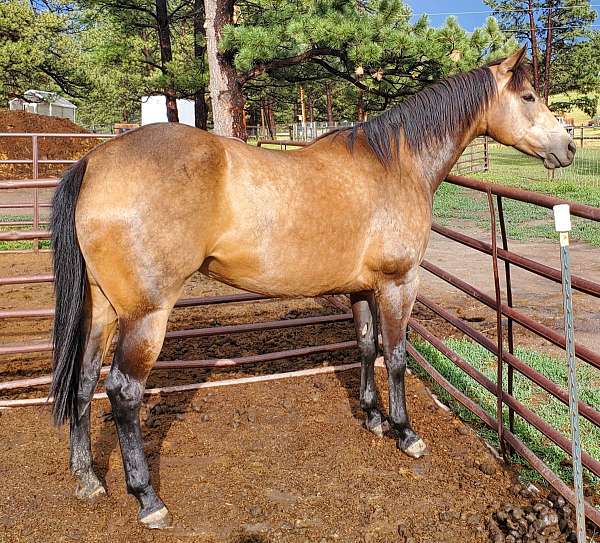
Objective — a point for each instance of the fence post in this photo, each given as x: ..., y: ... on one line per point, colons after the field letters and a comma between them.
x: 486, y: 154
x: 509, y: 301
x: 36, y: 208
x: 499, y: 330
x: 562, y: 220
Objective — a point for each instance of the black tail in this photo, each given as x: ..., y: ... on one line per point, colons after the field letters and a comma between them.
x: 70, y: 292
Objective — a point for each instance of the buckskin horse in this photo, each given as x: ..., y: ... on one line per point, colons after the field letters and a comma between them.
x: 351, y: 213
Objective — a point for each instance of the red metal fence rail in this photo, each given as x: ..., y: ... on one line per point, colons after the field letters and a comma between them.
x: 35, y: 183
x: 507, y: 358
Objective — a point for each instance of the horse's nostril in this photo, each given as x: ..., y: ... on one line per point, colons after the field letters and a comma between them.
x: 572, y: 147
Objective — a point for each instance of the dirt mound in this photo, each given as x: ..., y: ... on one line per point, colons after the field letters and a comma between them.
x: 49, y: 148
x: 23, y: 121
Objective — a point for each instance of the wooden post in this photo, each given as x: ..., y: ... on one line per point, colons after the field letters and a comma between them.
x: 262, y: 117
x: 486, y: 154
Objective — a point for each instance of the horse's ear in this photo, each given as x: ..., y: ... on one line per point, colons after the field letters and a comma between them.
x: 512, y: 62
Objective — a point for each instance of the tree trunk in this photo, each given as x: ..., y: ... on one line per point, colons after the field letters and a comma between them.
x: 271, y: 119
x: 200, y: 109
x: 534, y: 47
x: 225, y: 89
x: 166, y: 56
x: 329, y: 96
x: 360, y: 107
x: 200, y: 105
x: 549, y: 39
x: 302, y: 106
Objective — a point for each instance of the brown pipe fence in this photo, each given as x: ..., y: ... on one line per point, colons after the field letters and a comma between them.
x: 36, y: 183
x: 508, y: 407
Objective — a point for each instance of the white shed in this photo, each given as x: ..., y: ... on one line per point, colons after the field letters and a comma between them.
x: 44, y: 103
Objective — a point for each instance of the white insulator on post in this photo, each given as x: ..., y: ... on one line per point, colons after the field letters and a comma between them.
x: 562, y: 217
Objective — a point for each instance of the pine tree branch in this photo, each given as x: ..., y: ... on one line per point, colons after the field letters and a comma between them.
x: 264, y: 67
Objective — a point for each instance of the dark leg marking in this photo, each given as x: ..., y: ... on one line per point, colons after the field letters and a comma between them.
x: 101, y: 322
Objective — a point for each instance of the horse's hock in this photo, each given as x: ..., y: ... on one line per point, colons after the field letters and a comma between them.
x: 269, y: 443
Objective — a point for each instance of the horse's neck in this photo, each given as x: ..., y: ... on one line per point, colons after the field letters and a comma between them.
x: 437, y: 160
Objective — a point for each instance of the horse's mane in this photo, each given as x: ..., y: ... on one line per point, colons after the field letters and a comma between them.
x: 442, y: 110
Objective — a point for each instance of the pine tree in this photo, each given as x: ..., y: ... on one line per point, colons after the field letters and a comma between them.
x: 555, y: 29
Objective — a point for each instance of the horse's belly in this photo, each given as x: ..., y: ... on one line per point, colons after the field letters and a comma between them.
x: 287, y: 274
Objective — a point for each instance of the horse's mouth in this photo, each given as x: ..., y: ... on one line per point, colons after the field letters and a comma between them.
x: 551, y: 161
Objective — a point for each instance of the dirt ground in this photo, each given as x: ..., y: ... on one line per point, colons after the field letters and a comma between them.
x: 281, y: 461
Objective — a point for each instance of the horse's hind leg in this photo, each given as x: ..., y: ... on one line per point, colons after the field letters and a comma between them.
x: 140, y: 342
x: 365, y: 321
x: 100, y: 322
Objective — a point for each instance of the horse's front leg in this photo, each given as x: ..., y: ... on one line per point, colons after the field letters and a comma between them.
x: 365, y: 321
x: 395, y: 300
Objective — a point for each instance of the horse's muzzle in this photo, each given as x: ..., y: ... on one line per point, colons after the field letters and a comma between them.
x: 560, y: 156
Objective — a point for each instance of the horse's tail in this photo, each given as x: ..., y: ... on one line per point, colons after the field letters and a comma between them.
x: 70, y: 291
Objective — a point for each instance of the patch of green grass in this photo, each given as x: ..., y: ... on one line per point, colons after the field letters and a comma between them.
x: 19, y: 245
x: 509, y: 166
x: 523, y: 221
x: 22, y: 245
x: 545, y: 406
x: 454, y: 202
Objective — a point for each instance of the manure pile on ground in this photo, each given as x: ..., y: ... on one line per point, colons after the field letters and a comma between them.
x: 49, y: 148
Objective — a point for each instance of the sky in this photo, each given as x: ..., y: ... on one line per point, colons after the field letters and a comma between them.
x: 467, y: 21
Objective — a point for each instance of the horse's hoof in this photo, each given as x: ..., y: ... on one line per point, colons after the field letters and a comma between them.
x: 90, y: 490
x: 158, y: 520
x: 380, y: 429
x: 416, y: 449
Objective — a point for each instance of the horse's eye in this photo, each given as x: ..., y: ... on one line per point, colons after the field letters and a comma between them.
x: 529, y: 97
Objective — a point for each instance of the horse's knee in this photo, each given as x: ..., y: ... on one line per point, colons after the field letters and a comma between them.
x: 396, y: 362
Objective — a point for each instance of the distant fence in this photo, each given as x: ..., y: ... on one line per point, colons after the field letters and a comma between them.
x: 475, y: 159
x: 311, y: 131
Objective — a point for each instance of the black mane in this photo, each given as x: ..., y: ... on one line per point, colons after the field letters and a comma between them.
x: 442, y: 110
